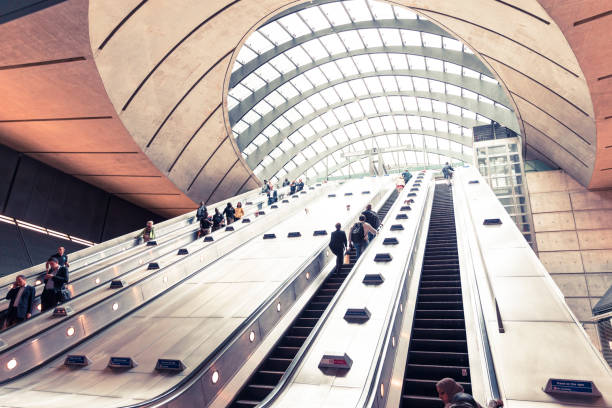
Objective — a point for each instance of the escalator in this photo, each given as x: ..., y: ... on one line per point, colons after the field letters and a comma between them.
x: 438, y: 346
x: 269, y: 373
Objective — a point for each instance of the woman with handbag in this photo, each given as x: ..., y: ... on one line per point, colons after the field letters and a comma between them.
x: 54, y: 291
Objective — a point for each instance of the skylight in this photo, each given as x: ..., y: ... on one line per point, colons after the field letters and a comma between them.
x: 333, y: 77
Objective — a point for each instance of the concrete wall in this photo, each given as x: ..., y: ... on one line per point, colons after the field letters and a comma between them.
x: 33, y: 192
x: 573, y: 230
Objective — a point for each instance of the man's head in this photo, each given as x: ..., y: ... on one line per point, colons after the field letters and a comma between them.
x: 149, y: 224
x: 201, y: 203
x: 447, y: 163
x: 20, y: 280
x: 53, y: 262
x: 369, y: 207
x: 362, y: 218
x: 61, y: 250
x: 338, y: 226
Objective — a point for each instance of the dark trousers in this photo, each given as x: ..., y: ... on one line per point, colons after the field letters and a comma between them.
x: 12, y: 319
x: 48, y: 300
x: 339, y: 260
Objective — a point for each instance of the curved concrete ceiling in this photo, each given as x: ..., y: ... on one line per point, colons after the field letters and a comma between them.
x: 55, y: 109
x: 157, y: 79
x: 586, y: 26
x: 168, y: 84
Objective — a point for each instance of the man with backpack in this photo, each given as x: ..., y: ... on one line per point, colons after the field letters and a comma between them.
x: 359, y: 235
x: 371, y: 218
x: 447, y: 171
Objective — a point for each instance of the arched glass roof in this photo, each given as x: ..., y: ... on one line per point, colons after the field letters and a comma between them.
x: 316, y: 87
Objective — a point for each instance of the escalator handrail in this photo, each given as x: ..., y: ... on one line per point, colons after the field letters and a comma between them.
x: 500, y: 322
x: 288, y: 375
x: 116, y: 295
x: 491, y: 377
x: 116, y: 243
x: 163, y: 244
x: 202, y: 368
x: 376, y: 372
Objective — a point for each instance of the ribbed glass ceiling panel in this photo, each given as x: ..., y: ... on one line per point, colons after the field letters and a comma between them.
x: 332, y: 77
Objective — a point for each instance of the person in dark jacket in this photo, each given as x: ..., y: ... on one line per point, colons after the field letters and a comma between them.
x: 202, y: 217
x: 202, y: 212
x: 61, y: 257
x: 21, y: 302
x: 217, y: 220
x: 447, y: 171
x: 453, y: 396
x: 372, y: 219
x: 292, y: 187
x: 407, y: 176
x: 338, y: 245
x: 230, y: 213
x: 55, y: 279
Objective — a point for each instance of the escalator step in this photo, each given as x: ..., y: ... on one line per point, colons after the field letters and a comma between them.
x: 442, y: 290
x: 456, y: 346
x: 427, y: 388
x: 439, y: 323
x: 440, y: 305
x: 438, y: 358
x: 438, y: 372
x: 438, y: 314
x: 438, y: 298
x: 267, y: 377
x: 409, y: 401
x: 441, y: 334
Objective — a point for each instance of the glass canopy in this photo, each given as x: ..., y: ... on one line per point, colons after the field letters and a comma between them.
x: 316, y: 88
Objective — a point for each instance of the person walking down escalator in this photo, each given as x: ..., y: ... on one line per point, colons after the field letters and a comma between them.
x: 54, y: 291
x: 338, y: 244
x: 217, y: 220
x: 265, y: 187
x: 61, y: 257
x: 202, y: 218
x: 230, y: 213
x: 447, y: 171
x: 292, y: 187
x: 453, y: 396
x: 148, y: 233
x: 202, y: 212
x: 238, y: 211
x: 21, y: 302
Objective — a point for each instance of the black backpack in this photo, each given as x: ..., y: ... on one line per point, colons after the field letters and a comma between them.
x: 463, y: 400
x: 357, y: 233
x: 371, y: 218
